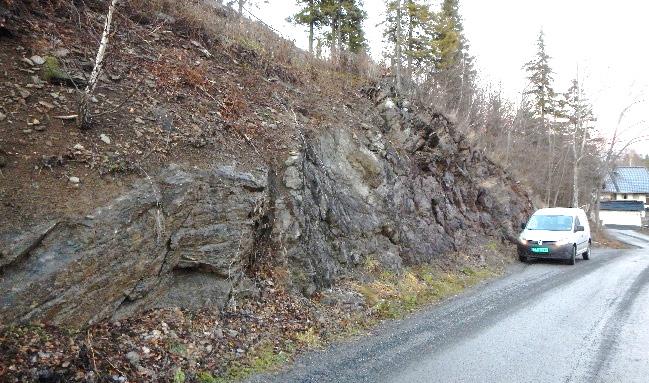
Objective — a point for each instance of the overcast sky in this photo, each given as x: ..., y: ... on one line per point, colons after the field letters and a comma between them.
x: 607, y: 40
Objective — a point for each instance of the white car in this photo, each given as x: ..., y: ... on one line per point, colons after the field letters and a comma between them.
x: 555, y: 233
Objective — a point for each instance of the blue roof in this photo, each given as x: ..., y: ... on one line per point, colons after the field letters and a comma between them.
x: 622, y: 205
x: 628, y: 179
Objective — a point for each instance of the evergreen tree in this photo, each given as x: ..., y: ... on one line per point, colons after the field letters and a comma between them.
x: 576, y: 108
x: 310, y: 15
x: 453, y: 64
x: 345, y: 20
x: 449, y: 43
x: 446, y: 44
x: 540, y: 76
x: 579, y: 115
x: 352, y: 33
x: 419, y: 20
x: 409, y: 33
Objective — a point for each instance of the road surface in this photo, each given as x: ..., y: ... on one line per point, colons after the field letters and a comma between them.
x: 544, y: 322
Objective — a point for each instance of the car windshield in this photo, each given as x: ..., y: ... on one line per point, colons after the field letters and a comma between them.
x: 550, y: 222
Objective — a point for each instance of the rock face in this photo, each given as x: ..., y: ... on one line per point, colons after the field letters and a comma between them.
x: 178, y: 241
x: 404, y: 193
x: 401, y: 192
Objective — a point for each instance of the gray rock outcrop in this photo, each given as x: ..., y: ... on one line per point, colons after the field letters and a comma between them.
x: 401, y: 192
x: 178, y: 241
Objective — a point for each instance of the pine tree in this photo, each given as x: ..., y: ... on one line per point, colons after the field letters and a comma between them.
x: 446, y: 44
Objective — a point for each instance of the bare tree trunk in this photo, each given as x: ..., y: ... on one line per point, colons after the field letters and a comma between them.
x: 241, y: 2
x: 459, y: 102
x: 561, y: 178
x: 598, y: 194
x: 339, y: 42
x: 333, y: 42
x: 398, y: 45
x: 318, y: 48
x: 311, y: 37
x: 548, y: 190
x: 410, y: 47
x: 575, y: 165
x: 84, y: 118
x: 575, y: 183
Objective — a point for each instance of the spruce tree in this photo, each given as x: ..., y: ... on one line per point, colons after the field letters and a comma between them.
x: 310, y: 15
x: 409, y: 32
x: 345, y: 20
x: 540, y: 76
x: 450, y: 44
x: 419, y: 20
x: 352, y: 31
x: 453, y: 65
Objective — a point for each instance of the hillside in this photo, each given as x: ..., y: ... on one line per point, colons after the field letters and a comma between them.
x: 230, y: 191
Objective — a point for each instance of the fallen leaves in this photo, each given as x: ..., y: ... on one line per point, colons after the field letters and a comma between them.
x: 157, y: 344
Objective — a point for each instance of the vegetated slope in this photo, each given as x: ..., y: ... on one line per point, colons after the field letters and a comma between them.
x: 218, y: 165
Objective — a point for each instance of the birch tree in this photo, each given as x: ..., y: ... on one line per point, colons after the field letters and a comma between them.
x: 84, y: 117
x: 580, y: 116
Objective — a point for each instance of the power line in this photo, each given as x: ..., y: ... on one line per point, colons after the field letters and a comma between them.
x: 267, y: 25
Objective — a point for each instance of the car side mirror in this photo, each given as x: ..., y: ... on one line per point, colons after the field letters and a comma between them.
x: 579, y: 228
x: 523, y: 226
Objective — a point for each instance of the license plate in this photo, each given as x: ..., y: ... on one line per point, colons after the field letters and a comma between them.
x: 540, y: 250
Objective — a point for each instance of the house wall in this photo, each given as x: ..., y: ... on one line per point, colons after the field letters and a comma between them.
x: 631, y: 197
x: 623, y: 218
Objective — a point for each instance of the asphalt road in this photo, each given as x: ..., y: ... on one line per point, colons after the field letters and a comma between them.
x: 544, y: 322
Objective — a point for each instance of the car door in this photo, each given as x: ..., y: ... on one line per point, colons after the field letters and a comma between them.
x: 580, y: 237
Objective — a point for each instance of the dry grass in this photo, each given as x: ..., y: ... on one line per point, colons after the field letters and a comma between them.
x: 392, y: 296
x: 212, y: 24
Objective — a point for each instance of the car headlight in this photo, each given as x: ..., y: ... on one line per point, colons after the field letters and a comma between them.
x: 522, y: 241
x: 563, y: 242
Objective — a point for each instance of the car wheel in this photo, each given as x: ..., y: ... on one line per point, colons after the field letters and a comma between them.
x: 523, y: 258
x: 573, y: 256
x: 586, y: 255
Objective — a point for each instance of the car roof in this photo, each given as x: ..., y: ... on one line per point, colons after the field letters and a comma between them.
x: 559, y: 211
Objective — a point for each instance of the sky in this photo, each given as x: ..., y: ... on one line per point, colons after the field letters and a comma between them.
x: 606, y: 42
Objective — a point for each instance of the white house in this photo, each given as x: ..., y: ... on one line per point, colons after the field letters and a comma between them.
x: 627, y: 183
x: 625, y: 197
x: 622, y: 213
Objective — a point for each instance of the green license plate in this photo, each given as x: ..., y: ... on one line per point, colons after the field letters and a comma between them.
x: 540, y: 250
